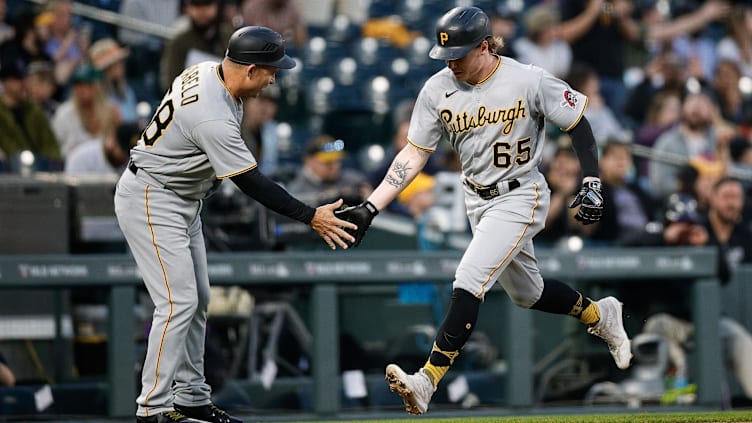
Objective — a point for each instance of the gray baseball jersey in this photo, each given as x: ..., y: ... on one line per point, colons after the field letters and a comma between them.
x: 498, y: 127
x: 194, y: 138
x: 192, y: 142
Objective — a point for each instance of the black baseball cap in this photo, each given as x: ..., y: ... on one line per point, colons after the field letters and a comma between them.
x: 11, y: 68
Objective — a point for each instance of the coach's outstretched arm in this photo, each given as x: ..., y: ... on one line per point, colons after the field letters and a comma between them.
x: 272, y: 196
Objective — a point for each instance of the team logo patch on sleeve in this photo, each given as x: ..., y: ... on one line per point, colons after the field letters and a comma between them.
x: 570, y: 99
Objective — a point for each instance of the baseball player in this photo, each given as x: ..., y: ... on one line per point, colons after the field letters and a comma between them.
x: 493, y: 110
x: 192, y: 143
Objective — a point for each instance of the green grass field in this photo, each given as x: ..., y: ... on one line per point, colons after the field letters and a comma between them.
x: 718, y: 416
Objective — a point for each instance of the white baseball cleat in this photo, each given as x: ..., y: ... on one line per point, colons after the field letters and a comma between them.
x: 416, y: 389
x: 610, y: 328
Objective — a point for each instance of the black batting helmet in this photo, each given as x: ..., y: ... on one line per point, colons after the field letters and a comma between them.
x: 459, y: 31
x: 258, y: 45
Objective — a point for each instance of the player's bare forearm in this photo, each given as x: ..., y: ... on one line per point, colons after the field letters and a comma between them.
x: 406, y: 166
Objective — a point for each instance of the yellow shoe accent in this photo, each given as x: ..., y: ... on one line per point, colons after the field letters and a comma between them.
x: 591, y: 315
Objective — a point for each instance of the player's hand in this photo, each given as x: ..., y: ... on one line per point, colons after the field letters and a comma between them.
x: 331, y: 228
x: 362, y: 215
x: 590, y: 201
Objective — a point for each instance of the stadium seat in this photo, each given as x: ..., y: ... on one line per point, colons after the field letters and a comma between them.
x: 417, y: 51
x: 381, y: 8
x: 319, y: 53
x: 342, y: 30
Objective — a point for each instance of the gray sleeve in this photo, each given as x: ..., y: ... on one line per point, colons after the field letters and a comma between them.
x: 225, y: 149
x: 425, y: 130
x: 561, y: 104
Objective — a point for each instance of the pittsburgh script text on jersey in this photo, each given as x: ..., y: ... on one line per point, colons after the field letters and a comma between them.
x: 464, y: 121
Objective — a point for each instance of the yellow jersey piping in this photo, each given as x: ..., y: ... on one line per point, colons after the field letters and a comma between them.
x: 169, y: 299
x: 579, y: 118
x: 430, y: 150
x: 490, y: 74
x: 230, y: 175
x: 222, y: 81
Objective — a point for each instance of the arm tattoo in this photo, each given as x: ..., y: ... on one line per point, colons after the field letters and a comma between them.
x: 397, y: 177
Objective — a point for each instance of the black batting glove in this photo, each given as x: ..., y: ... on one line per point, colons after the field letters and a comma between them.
x: 590, y: 201
x: 361, y: 215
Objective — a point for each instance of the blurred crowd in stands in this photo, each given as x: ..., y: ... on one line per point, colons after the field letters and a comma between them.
x: 669, y: 85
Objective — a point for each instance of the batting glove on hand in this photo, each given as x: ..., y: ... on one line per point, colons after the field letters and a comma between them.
x: 590, y: 201
x: 361, y: 215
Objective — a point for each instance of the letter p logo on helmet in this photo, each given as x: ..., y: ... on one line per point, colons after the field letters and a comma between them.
x: 443, y: 38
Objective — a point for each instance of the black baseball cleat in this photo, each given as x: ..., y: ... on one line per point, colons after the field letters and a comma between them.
x: 210, y: 413
x: 168, y: 417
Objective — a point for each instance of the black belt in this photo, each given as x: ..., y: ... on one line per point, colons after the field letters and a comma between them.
x: 132, y: 167
x: 492, y: 191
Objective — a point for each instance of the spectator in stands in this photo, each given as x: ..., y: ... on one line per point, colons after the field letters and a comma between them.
x: 687, y: 187
x: 724, y: 228
x: 665, y: 72
x: 695, y: 183
x: 259, y: 129
x: 162, y: 12
x: 697, y: 48
x: 6, y: 31
x: 143, y: 64
x: 734, y: 106
x: 419, y: 196
x: 66, y: 45
x: 104, y: 157
x: 627, y: 208
x: 598, y: 31
x: 663, y: 113
x: 504, y: 25
x: 740, y: 149
x: 740, y: 162
x: 282, y: 16
x: 541, y: 45
x: 656, y: 27
x: 563, y: 176
x: 7, y: 378
x: 23, y: 124
x: 87, y: 115
x: 693, y: 138
x: 603, y: 120
x: 27, y: 45
x: 109, y: 58
x: 205, y: 38
x: 230, y: 13
x: 709, y: 172
x: 683, y: 223
x: 40, y: 83
x: 737, y: 44
x: 323, y: 178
